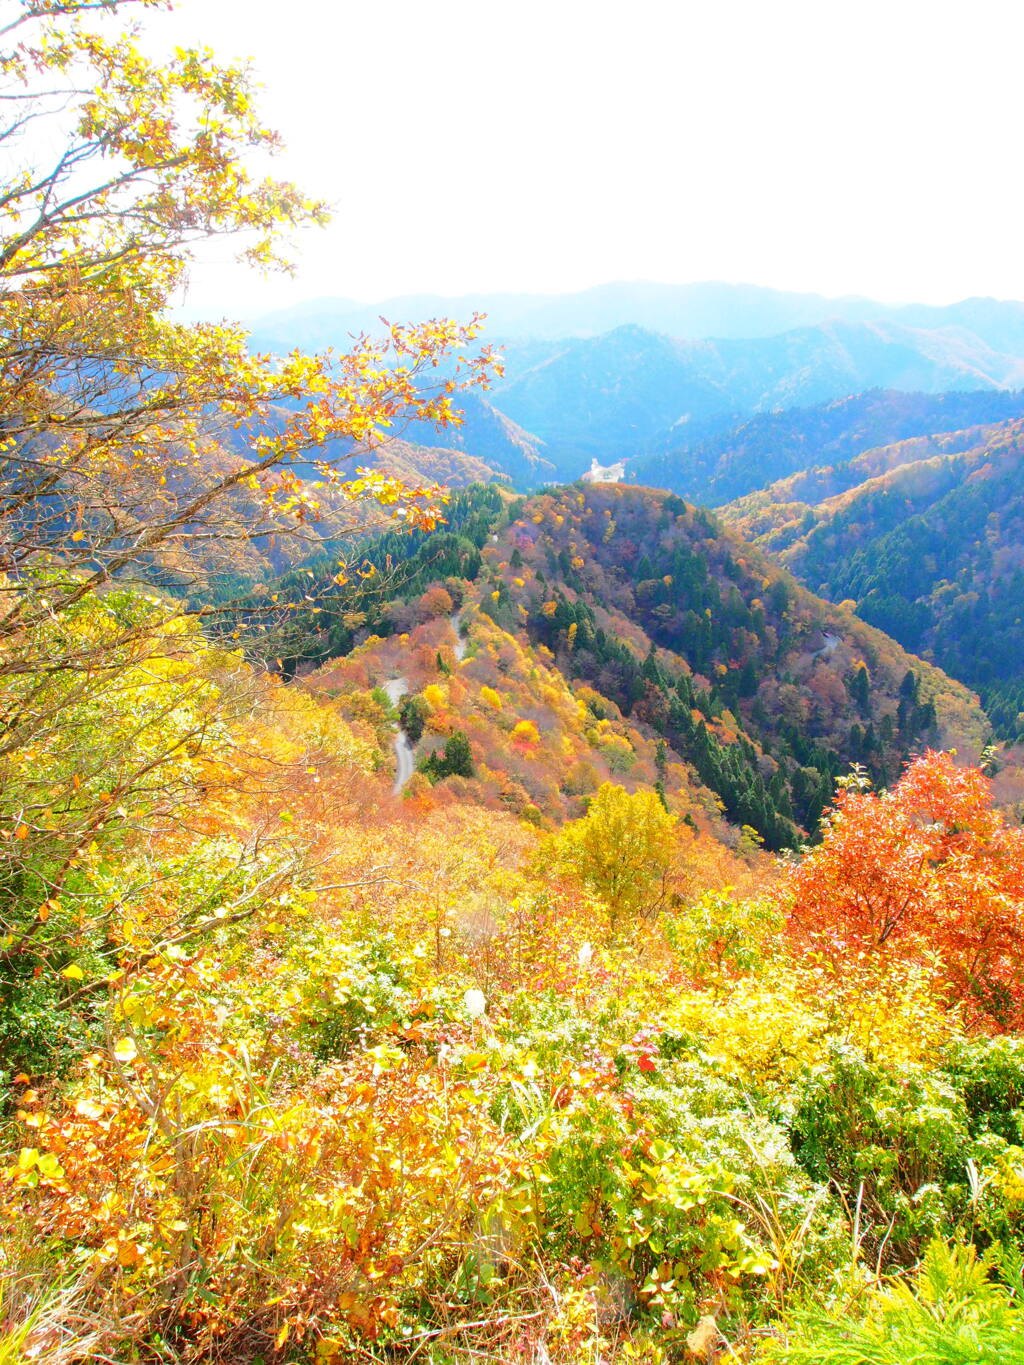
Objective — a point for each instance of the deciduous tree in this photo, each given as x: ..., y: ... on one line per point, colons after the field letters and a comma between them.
x: 926, y: 870
x: 138, y: 450
x: 623, y: 849
x: 133, y: 445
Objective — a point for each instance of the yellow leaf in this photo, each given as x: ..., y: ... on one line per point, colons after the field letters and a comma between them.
x: 73, y: 972
x: 281, y: 1337
x: 50, y: 1167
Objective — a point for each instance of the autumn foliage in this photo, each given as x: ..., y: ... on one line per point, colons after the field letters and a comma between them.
x: 926, y: 871
x: 517, y: 1062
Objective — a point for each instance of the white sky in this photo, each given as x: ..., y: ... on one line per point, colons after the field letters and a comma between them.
x: 840, y: 146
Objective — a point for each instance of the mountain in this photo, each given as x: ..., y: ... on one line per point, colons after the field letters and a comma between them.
x: 605, y: 397
x: 416, y: 464
x: 645, y: 372
x: 488, y: 435
x: 927, y: 538
x: 667, y: 629
x: 705, y: 309
x: 631, y: 391
x: 728, y: 463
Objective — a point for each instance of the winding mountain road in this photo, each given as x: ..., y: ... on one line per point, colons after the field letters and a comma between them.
x: 396, y: 688
x: 460, y: 644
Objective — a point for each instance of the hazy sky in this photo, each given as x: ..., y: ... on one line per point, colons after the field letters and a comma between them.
x: 840, y: 146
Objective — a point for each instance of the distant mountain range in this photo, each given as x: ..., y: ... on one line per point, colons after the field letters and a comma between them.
x: 645, y: 372
x: 487, y: 434
x: 691, y: 311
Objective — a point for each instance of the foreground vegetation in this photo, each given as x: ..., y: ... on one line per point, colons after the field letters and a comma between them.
x: 298, y: 1068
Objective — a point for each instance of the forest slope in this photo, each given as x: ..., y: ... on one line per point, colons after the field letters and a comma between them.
x: 930, y: 549
x: 668, y: 629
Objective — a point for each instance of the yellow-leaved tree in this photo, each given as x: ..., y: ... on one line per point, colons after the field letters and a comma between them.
x: 624, y: 850
x: 142, y: 459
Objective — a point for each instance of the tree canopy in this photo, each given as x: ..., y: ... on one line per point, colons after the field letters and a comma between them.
x: 623, y: 850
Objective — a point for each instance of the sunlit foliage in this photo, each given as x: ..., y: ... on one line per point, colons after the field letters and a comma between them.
x: 541, y: 1057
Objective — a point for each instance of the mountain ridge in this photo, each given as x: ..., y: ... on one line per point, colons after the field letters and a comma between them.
x: 928, y: 545
x: 697, y: 309
x: 769, y: 447
x: 662, y: 622
x: 628, y: 393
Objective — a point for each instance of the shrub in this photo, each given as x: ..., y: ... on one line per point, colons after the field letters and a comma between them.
x: 490, y: 698
x: 953, y: 1313
x: 895, y: 1143
x: 928, y: 871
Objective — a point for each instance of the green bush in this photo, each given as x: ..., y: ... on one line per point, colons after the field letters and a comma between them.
x: 657, y: 1174
x: 896, y: 1144
x: 989, y: 1074
x: 455, y: 761
x: 953, y: 1313
x: 350, y: 993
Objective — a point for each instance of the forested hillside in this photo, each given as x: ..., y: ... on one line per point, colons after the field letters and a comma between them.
x: 928, y: 547
x: 671, y: 624
x: 437, y: 924
x: 830, y: 440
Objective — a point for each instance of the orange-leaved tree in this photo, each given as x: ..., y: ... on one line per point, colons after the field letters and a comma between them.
x: 928, y: 870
